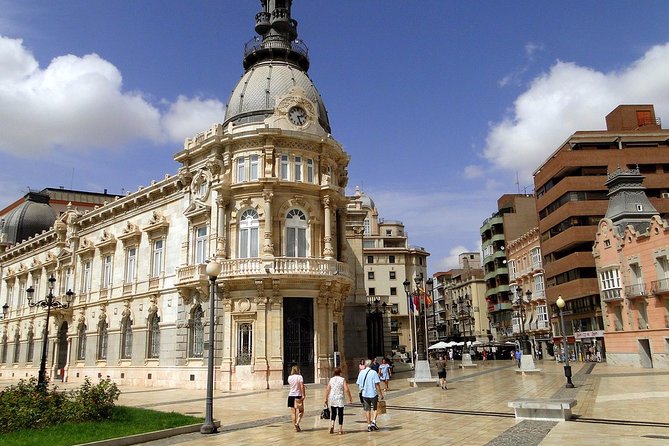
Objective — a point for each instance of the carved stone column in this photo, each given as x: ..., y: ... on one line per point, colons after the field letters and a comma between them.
x: 328, y: 252
x: 261, y: 365
x: 275, y: 333
x: 222, y: 226
x: 226, y: 332
x: 268, y: 246
x: 324, y: 331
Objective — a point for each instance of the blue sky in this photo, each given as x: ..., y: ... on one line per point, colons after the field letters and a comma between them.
x: 441, y: 104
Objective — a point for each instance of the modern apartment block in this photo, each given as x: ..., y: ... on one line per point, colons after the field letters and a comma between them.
x: 515, y: 216
x: 631, y: 253
x: 389, y: 260
x: 571, y: 198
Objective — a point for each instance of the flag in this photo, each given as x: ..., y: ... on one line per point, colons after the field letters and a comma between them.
x: 416, y: 300
x: 411, y: 307
x: 428, y: 299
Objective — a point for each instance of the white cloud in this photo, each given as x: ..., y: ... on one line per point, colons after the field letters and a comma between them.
x: 186, y: 117
x: 473, y: 171
x: 79, y: 103
x: 570, y: 98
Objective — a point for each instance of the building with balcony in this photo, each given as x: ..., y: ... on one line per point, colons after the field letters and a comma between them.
x: 515, y: 216
x: 389, y: 260
x: 262, y: 193
x: 631, y: 252
x: 571, y: 199
x: 526, y: 275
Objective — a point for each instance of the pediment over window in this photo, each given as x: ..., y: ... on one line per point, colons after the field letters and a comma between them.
x: 131, y: 234
x: 197, y: 212
x: 86, y: 248
x: 158, y: 226
x: 107, y: 242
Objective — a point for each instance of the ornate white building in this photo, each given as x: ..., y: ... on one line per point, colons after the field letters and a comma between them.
x: 263, y: 194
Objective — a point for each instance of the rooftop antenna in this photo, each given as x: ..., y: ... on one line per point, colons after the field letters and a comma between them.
x: 517, y: 182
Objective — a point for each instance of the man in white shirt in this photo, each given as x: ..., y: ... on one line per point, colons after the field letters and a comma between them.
x: 370, y: 389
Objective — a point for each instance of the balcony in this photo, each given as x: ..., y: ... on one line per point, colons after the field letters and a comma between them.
x: 636, y: 290
x: 195, y: 276
x: 660, y: 287
x: 612, y: 295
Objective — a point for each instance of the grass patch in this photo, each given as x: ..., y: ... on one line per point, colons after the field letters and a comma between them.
x: 124, y: 421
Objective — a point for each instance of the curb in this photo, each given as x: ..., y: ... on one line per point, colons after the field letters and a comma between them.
x: 149, y: 436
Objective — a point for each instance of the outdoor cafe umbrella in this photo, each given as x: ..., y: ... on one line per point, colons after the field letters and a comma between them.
x: 438, y: 345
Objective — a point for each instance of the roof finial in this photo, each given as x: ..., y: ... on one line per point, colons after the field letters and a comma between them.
x: 278, y: 36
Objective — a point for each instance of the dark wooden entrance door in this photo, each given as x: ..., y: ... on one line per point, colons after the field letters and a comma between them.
x: 298, y: 335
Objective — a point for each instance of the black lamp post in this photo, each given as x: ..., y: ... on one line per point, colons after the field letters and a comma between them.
x: 420, y: 331
x: 208, y: 427
x: 49, y: 302
x: 567, y: 368
x: 524, y: 344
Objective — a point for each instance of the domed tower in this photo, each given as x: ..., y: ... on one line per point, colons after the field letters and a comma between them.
x: 31, y: 217
x: 266, y: 197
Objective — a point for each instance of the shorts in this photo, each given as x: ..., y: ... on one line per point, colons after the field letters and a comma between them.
x: 442, y: 374
x: 291, y: 400
x: 369, y: 403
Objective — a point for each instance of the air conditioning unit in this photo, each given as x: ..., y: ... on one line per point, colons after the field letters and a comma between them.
x: 665, y: 194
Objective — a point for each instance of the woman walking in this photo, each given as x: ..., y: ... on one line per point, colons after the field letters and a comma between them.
x: 385, y: 373
x: 334, y: 393
x: 296, y: 396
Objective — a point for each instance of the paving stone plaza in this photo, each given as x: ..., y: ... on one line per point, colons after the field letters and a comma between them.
x: 616, y: 406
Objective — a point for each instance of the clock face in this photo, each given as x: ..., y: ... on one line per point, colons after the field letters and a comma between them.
x: 297, y: 116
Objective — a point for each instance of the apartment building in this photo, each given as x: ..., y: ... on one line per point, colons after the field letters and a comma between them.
x: 516, y: 214
x: 571, y: 199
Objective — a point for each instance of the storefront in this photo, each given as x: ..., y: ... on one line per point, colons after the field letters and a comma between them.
x: 590, y: 345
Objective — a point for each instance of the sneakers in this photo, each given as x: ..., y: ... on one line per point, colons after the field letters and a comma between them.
x: 373, y: 426
x: 369, y: 428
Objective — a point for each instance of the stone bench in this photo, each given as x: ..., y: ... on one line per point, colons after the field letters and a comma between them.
x: 542, y: 409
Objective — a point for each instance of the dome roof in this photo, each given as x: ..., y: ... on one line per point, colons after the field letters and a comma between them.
x: 254, y: 97
x: 28, y: 219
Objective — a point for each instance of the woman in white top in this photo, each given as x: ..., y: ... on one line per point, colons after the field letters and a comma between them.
x: 296, y: 396
x: 335, y: 394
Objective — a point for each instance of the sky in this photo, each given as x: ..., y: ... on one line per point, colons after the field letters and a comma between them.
x: 443, y: 106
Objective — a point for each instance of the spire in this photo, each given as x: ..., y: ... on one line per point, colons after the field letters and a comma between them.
x: 277, y: 37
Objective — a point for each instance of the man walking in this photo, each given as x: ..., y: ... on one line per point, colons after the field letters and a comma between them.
x: 369, y: 384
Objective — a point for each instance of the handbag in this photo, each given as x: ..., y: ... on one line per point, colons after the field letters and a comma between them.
x: 325, y: 413
x: 381, y: 407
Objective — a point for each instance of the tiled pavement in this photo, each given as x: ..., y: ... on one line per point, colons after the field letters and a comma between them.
x: 616, y: 406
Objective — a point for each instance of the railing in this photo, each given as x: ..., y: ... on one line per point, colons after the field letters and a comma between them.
x: 660, y: 286
x: 191, y: 272
x: 611, y: 295
x: 257, y: 43
x: 127, y: 288
x: 154, y: 283
x: 637, y: 290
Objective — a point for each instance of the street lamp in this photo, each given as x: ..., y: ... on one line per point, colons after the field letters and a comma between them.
x: 376, y: 311
x: 213, y: 270
x: 420, y: 332
x: 524, y: 344
x: 49, y: 302
x: 567, y: 368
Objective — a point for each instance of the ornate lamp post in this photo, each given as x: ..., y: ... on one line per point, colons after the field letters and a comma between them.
x: 429, y: 285
x: 49, y: 302
x: 208, y: 427
x: 376, y: 311
x: 524, y: 344
x: 567, y: 368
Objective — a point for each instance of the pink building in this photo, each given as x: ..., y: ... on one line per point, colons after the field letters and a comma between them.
x: 631, y: 253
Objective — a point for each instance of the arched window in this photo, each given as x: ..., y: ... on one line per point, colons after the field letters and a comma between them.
x: 154, y: 336
x: 17, y: 346
x: 244, y: 343
x: 197, y: 333
x: 81, y: 346
x: 3, y: 357
x: 126, y: 338
x: 31, y: 345
x: 103, y: 338
x: 248, y: 234
x: 296, y: 233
